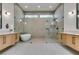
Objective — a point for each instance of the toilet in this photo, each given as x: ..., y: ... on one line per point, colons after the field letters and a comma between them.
x: 25, y: 37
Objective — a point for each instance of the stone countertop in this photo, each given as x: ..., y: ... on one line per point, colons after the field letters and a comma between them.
x: 72, y: 33
x: 4, y: 33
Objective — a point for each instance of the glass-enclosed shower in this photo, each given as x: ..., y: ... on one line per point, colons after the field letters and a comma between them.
x: 38, y: 24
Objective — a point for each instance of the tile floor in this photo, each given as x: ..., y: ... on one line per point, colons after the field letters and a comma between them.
x: 39, y: 47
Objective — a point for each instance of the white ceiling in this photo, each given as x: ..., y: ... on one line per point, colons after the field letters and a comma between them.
x: 35, y: 6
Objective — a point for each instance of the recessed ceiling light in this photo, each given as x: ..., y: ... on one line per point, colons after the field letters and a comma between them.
x: 38, y: 6
x: 26, y: 6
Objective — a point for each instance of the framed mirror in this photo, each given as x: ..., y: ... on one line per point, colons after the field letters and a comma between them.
x: 77, y: 15
x: 0, y: 15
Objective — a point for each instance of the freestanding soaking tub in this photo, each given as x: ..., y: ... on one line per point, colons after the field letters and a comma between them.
x: 25, y: 37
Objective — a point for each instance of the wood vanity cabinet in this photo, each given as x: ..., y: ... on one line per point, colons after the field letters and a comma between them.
x: 1, y: 42
x: 7, y: 40
x: 70, y: 40
x: 15, y: 38
x: 62, y: 38
x: 76, y: 43
x: 59, y: 37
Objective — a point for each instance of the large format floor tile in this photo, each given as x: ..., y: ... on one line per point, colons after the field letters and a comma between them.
x: 33, y: 48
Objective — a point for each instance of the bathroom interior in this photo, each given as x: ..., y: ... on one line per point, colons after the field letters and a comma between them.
x: 42, y: 24
x: 39, y: 28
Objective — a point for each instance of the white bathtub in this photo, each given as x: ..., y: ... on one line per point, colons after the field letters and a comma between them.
x: 25, y: 37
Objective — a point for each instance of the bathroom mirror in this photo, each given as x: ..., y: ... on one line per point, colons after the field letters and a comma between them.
x: 0, y: 15
x: 77, y: 15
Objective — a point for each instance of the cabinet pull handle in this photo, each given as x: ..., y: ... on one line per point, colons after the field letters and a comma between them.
x: 4, y: 40
x: 73, y: 40
x: 16, y: 36
x: 61, y: 37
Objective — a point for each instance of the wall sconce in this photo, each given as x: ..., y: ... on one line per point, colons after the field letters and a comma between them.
x: 78, y: 16
x: 71, y: 13
x: 7, y: 26
x: 7, y: 13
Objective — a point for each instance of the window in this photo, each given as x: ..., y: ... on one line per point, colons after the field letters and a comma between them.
x: 46, y: 16
x: 40, y: 16
x: 31, y: 16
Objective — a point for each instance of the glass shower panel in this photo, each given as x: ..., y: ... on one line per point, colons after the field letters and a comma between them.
x: 19, y: 19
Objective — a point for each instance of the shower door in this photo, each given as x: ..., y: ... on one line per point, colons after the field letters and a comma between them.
x: 37, y: 27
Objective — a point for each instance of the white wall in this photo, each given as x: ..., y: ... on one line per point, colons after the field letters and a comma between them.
x: 9, y: 7
x: 70, y: 21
